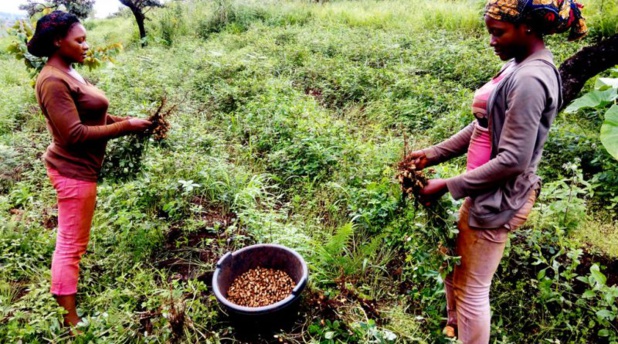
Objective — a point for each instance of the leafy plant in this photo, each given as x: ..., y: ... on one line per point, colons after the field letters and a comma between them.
x: 601, y: 299
x: 23, y: 31
x: 604, y: 95
x: 333, y: 332
x: 345, y: 254
x: 9, y: 167
x: 124, y: 160
x: 609, y: 131
x: 566, y: 200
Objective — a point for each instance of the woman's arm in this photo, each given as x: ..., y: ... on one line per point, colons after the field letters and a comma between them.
x: 453, y: 147
x: 526, y: 100
x: 62, y: 112
x: 111, y: 119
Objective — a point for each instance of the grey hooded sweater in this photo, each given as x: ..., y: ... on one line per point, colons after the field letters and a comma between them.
x: 520, y: 111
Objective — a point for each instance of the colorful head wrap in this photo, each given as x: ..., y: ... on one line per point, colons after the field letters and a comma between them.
x: 546, y: 16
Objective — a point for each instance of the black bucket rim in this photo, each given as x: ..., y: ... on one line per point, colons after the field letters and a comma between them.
x: 274, y: 307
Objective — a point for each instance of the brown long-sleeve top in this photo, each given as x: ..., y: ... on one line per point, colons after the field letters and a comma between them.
x: 77, y: 118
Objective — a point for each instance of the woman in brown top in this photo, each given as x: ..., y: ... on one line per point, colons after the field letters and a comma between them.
x: 76, y: 116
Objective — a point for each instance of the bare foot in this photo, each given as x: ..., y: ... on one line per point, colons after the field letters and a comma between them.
x: 71, y: 319
x: 449, y: 331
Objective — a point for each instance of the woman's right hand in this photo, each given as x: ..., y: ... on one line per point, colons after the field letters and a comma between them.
x: 139, y: 125
x: 418, y: 158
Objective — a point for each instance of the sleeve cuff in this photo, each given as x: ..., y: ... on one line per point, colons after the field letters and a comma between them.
x: 455, y: 188
x: 125, y: 126
x: 432, y: 154
x: 116, y: 119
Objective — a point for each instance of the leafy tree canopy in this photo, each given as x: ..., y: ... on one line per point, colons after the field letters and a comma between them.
x: 141, y: 4
x: 80, y: 8
x: 137, y: 7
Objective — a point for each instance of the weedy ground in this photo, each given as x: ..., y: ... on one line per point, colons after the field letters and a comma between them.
x: 289, y: 122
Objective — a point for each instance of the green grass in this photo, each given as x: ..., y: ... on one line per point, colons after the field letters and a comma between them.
x: 290, y: 117
x: 599, y: 235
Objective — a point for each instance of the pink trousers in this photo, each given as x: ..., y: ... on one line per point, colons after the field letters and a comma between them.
x: 76, y: 201
x: 467, y: 287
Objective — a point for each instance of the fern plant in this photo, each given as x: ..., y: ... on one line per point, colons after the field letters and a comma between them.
x: 346, y: 254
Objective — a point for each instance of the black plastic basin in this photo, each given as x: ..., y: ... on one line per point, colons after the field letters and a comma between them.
x: 234, y: 264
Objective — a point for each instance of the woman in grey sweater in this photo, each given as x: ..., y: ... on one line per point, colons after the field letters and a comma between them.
x: 514, y: 112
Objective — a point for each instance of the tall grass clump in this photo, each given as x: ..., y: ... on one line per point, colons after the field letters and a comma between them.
x: 236, y: 16
x: 228, y: 15
x: 464, y: 16
x: 16, y: 102
x: 602, y: 17
x: 119, y: 29
x: 171, y: 23
x: 414, y: 16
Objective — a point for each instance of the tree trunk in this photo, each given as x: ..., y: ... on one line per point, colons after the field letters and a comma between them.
x: 139, y: 18
x: 585, y: 64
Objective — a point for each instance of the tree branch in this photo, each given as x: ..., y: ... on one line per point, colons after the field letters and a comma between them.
x: 585, y: 64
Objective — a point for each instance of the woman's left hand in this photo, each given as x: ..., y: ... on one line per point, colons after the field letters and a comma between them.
x: 434, y: 189
x: 139, y: 125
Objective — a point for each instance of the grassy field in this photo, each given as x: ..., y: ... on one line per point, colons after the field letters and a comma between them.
x: 290, y: 118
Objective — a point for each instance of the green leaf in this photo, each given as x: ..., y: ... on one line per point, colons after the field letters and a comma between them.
x: 329, y: 335
x: 604, y: 333
x: 605, y: 82
x: 609, y: 131
x: 582, y: 279
x: 597, y: 275
x: 593, y: 99
x: 339, y: 241
x: 14, y: 48
x: 313, y: 328
x: 588, y: 294
x: 605, y: 314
